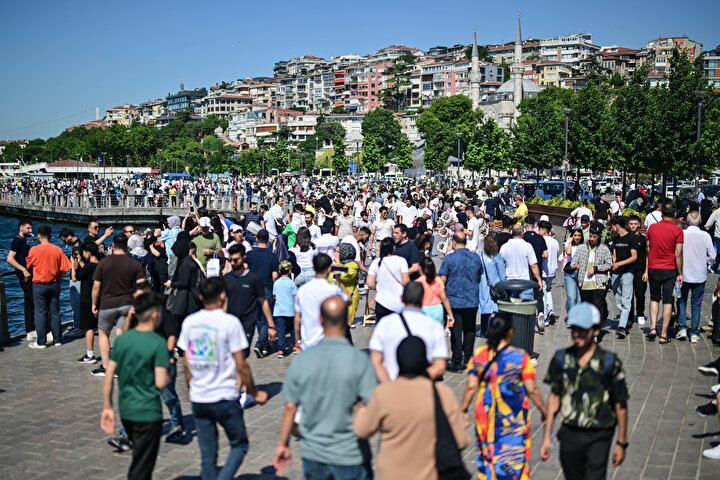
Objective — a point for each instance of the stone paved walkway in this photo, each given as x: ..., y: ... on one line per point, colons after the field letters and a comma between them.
x: 50, y: 408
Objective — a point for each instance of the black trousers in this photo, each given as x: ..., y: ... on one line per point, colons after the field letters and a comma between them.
x: 639, y: 289
x: 145, y: 437
x: 249, y: 324
x: 28, y: 303
x: 381, y: 312
x: 584, y: 453
x: 462, y: 335
x: 597, y: 298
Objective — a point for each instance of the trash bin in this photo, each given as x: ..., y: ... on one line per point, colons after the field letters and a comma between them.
x: 522, y: 312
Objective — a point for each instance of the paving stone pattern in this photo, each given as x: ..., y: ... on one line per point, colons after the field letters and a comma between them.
x: 50, y: 409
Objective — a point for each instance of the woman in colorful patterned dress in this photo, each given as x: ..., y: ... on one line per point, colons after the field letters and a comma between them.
x: 505, y: 379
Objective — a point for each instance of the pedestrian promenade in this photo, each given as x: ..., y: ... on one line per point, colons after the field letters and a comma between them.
x: 50, y: 413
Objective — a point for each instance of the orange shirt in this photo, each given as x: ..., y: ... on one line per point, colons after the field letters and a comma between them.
x: 48, y: 263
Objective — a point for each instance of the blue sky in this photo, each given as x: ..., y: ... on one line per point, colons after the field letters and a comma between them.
x: 61, y: 59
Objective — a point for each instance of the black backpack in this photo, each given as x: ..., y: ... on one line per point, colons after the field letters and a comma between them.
x: 715, y: 332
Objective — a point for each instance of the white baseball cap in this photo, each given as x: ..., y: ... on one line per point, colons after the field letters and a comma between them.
x: 204, y: 222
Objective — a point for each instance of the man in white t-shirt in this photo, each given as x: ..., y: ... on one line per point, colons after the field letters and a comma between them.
x: 390, y: 332
x: 358, y: 240
x: 381, y: 228
x: 345, y: 223
x: 308, y: 300
x: 406, y: 213
x: 520, y: 259
x: 238, y: 237
x: 213, y: 341
x: 549, y: 269
x: 654, y: 216
x: 310, y: 224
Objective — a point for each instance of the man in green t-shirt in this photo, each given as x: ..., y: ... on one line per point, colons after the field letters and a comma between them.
x: 141, y: 360
x: 208, y: 242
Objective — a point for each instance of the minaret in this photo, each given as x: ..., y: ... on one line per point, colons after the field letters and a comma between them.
x: 475, y: 74
x: 517, y: 67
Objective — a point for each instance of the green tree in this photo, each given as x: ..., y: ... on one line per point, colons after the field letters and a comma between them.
x: 446, y: 120
x: 589, y: 132
x: 12, y: 152
x: 385, y: 129
x: 279, y: 156
x: 332, y: 132
x: 488, y: 149
x: 373, y: 159
x: 395, y: 96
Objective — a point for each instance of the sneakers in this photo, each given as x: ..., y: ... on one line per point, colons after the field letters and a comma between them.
x: 681, y: 335
x: 36, y: 345
x: 694, y: 339
x: 31, y: 336
x: 296, y: 349
x: 120, y: 444
x: 715, y: 389
x: 260, y: 353
x: 709, y: 369
x: 641, y: 321
x: 713, y: 453
x: 98, y: 372
x: 541, y: 322
x: 281, y: 355
x: 86, y: 359
x: 551, y: 319
x: 176, y: 434
x: 621, y: 333
x: 707, y: 410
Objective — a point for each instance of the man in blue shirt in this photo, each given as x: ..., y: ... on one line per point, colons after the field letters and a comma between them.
x: 327, y: 380
x: 461, y: 271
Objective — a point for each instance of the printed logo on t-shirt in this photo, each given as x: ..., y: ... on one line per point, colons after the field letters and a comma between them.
x: 203, y: 347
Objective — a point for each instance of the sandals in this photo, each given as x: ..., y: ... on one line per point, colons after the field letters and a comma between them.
x: 663, y: 340
x: 651, y: 335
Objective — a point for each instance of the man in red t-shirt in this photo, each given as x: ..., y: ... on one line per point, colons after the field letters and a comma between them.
x: 664, y: 268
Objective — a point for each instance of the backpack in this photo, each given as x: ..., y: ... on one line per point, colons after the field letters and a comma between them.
x: 715, y: 332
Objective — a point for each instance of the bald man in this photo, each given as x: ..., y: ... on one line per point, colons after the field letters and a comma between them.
x: 326, y: 420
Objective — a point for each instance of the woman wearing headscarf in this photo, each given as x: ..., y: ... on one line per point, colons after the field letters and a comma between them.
x: 184, y: 282
x: 404, y: 413
x: 505, y: 378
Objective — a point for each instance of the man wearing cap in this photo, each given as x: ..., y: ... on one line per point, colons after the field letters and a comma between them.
x: 207, y: 243
x: 589, y: 394
x: 593, y: 262
x: 238, y: 237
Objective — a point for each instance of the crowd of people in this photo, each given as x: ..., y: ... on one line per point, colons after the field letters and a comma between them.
x: 294, y: 267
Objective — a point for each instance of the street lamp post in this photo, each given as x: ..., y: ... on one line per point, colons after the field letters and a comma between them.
x: 458, y: 158
x: 700, y: 95
x: 565, y: 160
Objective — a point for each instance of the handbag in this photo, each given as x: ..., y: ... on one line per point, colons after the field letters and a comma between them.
x: 494, y: 294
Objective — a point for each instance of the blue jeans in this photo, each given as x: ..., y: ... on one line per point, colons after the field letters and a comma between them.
x: 170, y: 398
x: 697, y: 291
x: 716, y: 244
x: 229, y: 414
x: 322, y: 471
x: 571, y: 291
x: 46, y: 297
x: 74, y: 292
x: 262, y: 325
x: 547, y: 295
x: 622, y: 287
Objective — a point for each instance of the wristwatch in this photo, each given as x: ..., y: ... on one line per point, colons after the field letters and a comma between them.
x: 624, y: 445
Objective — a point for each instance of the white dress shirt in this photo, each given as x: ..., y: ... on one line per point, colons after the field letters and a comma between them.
x: 698, y: 253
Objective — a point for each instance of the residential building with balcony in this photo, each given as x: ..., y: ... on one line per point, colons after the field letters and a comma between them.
x: 352, y: 123
x: 570, y: 49
x: 659, y: 52
x: 223, y: 104
x: 552, y: 73
x: 183, y: 99
x: 445, y: 79
x: 505, y: 53
x: 302, y: 65
x: 711, y: 64
x: 151, y: 110
x: 121, y: 115
x: 311, y: 92
x: 620, y: 60
x: 261, y: 123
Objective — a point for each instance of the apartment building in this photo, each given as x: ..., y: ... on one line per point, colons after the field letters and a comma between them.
x: 711, y: 63
x: 505, y: 52
x: 184, y: 99
x: 122, y: 115
x: 659, y: 52
x: 223, y: 104
x: 260, y: 123
x: 444, y: 79
x: 552, y: 73
x: 311, y: 92
x: 151, y: 110
x: 570, y: 49
x: 620, y: 60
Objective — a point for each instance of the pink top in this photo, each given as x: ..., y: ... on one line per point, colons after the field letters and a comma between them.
x: 433, y: 291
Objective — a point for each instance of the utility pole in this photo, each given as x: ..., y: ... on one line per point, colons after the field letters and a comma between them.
x: 700, y: 95
x: 565, y: 161
x: 458, y: 158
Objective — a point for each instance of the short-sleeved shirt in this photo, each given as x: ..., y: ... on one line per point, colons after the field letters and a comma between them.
x: 587, y: 395
x: 202, y: 242
x: 390, y: 332
x: 263, y: 262
x: 538, y: 244
x: 137, y: 354
x: 307, y: 302
x: 409, y: 252
x: 432, y: 292
x: 48, y: 263
x: 284, y: 291
x: 20, y: 246
x: 518, y: 255
x: 388, y: 272
x: 244, y: 292
x: 326, y: 423
x: 662, y: 237
x: 345, y: 225
x: 209, y: 339
x: 640, y: 243
x: 463, y: 269
x: 118, y: 276
x: 622, y: 248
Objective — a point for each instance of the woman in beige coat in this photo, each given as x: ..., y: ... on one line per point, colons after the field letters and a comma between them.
x: 404, y: 413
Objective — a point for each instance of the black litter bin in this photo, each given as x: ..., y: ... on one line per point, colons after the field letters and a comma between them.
x: 522, y: 312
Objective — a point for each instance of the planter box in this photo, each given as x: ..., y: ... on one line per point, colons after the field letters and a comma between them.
x: 557, y: 215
